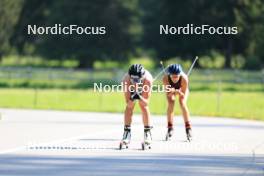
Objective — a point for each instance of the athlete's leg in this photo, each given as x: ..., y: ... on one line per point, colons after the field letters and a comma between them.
x: 127, y: 122
x: 128, y: 113
x: 170, y: 109
x: 146, y: 121
x: 185, y: 110
x: 145, y: 113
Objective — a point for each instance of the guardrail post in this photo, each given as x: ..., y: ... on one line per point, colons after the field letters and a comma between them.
x: 35, y: 98
x: 219, y: 92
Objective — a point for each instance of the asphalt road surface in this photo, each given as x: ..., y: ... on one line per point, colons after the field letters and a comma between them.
x: 38, y: 142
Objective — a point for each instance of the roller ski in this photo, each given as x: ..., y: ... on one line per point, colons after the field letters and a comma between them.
x: 189, y: 134
x: 147, y: 139
x: 124, y: 144
x: 169, y: 134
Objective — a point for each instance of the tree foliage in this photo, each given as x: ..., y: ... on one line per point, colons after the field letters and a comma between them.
x: 133, y: 29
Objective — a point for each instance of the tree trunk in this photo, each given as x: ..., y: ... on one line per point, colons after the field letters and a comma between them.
x: 1, y: 56
x: 86, y: 63
x: 228, y: 53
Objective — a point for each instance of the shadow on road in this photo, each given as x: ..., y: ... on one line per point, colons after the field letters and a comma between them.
x: 145, y: 164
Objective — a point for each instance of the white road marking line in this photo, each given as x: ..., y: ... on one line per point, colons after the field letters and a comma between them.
x: 55, y: 142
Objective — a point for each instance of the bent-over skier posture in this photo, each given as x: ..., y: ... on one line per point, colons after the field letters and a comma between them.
x: 178, y: 86
x: 138, y: 84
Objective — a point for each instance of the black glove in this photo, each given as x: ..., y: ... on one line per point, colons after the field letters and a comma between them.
x: 134, y: 96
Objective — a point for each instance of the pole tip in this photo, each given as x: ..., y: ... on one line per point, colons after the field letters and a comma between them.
x: 196, y: 57
x: 161, y: 62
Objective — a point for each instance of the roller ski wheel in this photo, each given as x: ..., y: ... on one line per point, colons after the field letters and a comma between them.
x: 123, y: 145
x: 145, y: 146
x: 189, y: 134
x: 168, y: 137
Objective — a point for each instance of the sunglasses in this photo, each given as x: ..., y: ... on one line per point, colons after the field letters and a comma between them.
x: 135, y: 79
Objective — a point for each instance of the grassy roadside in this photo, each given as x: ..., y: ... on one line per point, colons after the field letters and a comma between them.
x: 244, y: 105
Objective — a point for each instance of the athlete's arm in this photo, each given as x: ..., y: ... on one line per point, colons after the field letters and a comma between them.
x: 184, y: 86
x: 146, y: 92
x: 126, y: 84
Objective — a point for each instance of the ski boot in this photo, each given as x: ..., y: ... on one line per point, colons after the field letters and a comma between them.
x: 188, y: 131
x: 126, y: 138
x: 147, y: 138
x: 189, y: 134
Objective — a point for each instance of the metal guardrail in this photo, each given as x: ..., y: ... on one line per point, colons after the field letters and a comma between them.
x: 30, y: 73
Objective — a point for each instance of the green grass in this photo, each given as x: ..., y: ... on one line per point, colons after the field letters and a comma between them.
x: 200, y: 80
x: 84, y: 84
x: 245, y: 105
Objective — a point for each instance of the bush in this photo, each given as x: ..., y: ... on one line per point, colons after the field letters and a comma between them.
x: 253, y: 63
x: 147, y: 62
x: 34, y: 61
x: 205, y: 62
x: 213, y: 60
x: 70, y: 63
x: 105, y: 65
x: 19, y: 61
x: 237, y: 61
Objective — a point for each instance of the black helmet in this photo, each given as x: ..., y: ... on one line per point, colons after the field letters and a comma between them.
x: 174, y: 69
x: 136, y: 70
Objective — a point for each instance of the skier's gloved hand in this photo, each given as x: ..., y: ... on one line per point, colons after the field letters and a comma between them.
x: 134, y: 96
